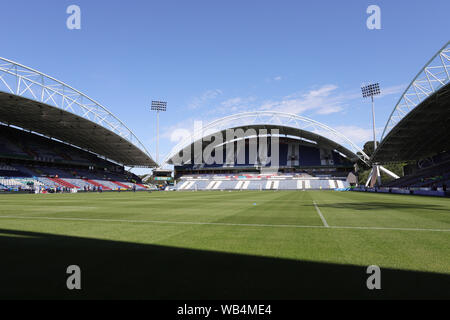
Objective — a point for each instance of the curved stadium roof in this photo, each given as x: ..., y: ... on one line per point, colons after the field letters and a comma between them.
x: 419, y: 125
x: 287, y: 124
x: 36, y: 102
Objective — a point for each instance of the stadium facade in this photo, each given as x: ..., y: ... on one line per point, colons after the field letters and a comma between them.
x: 312, y: 155
x: 265, y: 150
x: 418, y: 130
x: 54, y: 137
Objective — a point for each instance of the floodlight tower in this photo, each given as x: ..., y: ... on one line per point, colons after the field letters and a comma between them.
x: 158, y: 106
x: 372, y: 90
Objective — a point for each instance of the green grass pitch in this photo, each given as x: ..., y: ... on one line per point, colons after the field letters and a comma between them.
x: 207, y: 245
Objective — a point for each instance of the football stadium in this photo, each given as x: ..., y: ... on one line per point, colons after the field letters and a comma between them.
x: 263, y: 205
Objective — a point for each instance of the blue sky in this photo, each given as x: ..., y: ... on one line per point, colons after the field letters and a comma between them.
x: 209, y: 59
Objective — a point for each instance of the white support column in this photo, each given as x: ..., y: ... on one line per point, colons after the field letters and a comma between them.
x: 369, y: 178
x: 393, y: 175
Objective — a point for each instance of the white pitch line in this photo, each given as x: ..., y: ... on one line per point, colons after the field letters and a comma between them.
x: 225, y: 224
x: 321, y: 215
x: 163, y: 222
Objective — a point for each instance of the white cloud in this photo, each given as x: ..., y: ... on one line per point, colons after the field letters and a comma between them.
x: 324, y: 100
x: 320, y: 100
x: 392, y: 90
x: 200, y: 101
x: 357, y: 134
x: 329, y: 110
x: 238, y: 102
x: 179, y: 134
x: 184, y: 129
x: 230, y: 106
x: 232, y: 102
x: 277, y: 78
x: 178, y: 131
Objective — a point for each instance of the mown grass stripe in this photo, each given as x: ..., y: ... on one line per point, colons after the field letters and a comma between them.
x: 224, y: 224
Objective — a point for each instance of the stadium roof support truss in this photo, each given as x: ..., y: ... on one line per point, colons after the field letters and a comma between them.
x: 268, y: 118
x: 23, y: 81
x: 433, y: 76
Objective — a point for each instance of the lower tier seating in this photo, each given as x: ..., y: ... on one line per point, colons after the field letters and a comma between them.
x: 261, y: 184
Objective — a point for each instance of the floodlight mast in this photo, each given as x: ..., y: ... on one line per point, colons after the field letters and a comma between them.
x: 372, y: 90
x: 158, y: 106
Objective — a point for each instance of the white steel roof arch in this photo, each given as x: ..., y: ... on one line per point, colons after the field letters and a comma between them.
x: 26, y: 82
x: 433, y: 76
x: 269, y: 118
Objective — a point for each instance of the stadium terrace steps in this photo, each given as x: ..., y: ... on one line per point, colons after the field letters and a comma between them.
x: 255, y: 185
x: 239, y: 185
x: 183, y: 185
x: 214, y: 185
x: 261, y: 184
x: 121, y: 184
x: 130, y: 185
x: 107, y: 184
x: 78, y: 182
x: 186, y: 185
x: 97, y: 184
x: 242, y: 185
x: 210, y: 185
x: 47, y: 182
x: 189, y: 185
x: 13, y: 183
x: 27, y: 183
x: 275, y: 185
x: 63, y: 183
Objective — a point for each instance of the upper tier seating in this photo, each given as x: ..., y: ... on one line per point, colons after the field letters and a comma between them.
x: 291, y: 154
x: 20, y: 144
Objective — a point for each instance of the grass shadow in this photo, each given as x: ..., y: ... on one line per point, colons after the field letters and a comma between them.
x: 33, y: 266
